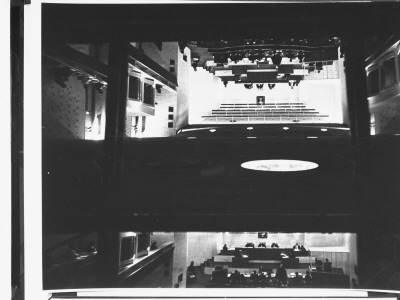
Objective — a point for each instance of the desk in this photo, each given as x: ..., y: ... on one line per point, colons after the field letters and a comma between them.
x: 223, y: 258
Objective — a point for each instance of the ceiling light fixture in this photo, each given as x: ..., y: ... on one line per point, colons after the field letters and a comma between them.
x: 312, y: 137
x: 251, y: 137
x: 279, y: 165
x: 213, y: 130
x: 250, y: 128
x: 324, y: 129
x: 285, y: 128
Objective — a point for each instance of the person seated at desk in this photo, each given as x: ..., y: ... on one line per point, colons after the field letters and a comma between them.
x: 238, y: 253
x: 303, y: 249
x: 296, y: 247
x: 191, y: 271
x: 225, y: 248
x: 297, y: 280
x: 262, y: 279
x: 251, y: 245
x: 308, y: 278
x: 242, y: 279
x: 235, y: 277
x: 274, y: 245
x: 281, y: 276
x: 262, y: 245
x: 319, y: 265
x: 254, y: 278
x: 327, y: 266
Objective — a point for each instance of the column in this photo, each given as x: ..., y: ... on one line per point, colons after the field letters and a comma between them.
x: 180, y: 262
x: 107, y: 264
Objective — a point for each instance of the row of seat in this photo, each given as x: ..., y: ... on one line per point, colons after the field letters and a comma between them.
x: 263, y: 109
x: 285, y: 119
x: 265, y: 113
x: 265, y: 104
x: 267, y: 117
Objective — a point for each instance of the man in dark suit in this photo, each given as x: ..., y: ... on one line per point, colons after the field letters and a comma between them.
x: 327, y: 266
x: 281, y: 276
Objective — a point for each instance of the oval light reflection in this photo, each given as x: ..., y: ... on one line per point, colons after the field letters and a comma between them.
x: 279, y: 165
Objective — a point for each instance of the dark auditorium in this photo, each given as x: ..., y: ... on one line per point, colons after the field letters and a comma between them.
x: 196, y: 146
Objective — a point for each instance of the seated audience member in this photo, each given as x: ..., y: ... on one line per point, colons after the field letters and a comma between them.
x: 281, y: 276
x: 254, y: 278
x: 235, y: 277
x: 242, y: 279
x: 225, y: 248
x: 262, y: 279
x: 262, y: 245
x: 251, y: 245
x: 191, y: 271
x: 327, y: 266
x: 296, y: 247
x: 303, y: 249
x: 308, y: 278
x: 297, y: 280
x: 238, y: 253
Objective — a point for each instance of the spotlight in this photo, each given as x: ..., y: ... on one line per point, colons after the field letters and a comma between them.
x: 158, y: 88
x: 225, y: 83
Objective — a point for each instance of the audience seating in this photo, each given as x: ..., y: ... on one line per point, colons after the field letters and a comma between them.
x: 284, y: 112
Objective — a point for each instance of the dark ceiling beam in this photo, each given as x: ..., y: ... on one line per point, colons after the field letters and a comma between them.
x: 99, y: 23
x: 69, y: 57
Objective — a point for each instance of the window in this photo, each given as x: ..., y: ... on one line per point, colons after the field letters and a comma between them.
x: 148, y: 92
x: 134, y: 87
x: 373, y: 82
x: 388, y: 73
